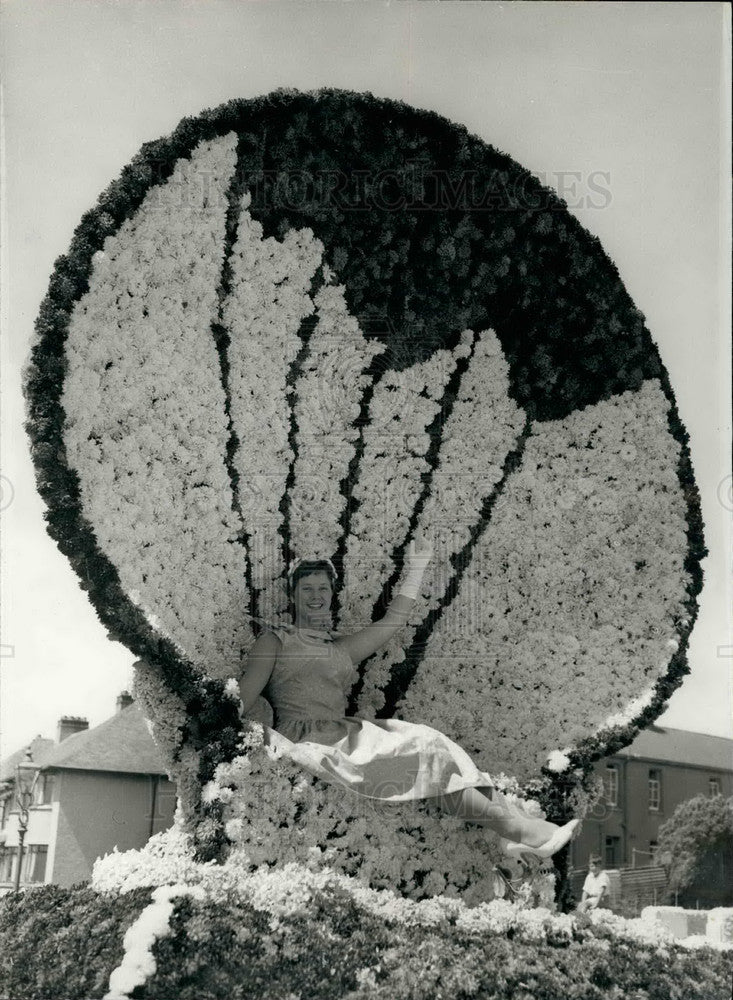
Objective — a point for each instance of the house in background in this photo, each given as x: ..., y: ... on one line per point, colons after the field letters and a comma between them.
x: 35, y: 851
x: 642, y: 786
x: 97, y: 789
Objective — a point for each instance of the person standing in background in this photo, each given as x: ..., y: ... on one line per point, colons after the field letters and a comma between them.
x: 595, y: 887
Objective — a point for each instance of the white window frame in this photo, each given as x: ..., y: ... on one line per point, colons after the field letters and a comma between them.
x: 655, y: 790
x: 611, y: 785
x: 713, y: 783
x: 30, y: 860
x: 43, y: 792
x: 612, y: 846
x: 8, y: 861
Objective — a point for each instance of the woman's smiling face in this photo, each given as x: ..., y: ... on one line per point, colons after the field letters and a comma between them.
x: 312, y: 599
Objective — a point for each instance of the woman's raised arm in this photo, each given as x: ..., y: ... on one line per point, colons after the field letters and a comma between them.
x: 368, y: 640
x: 257, y: 669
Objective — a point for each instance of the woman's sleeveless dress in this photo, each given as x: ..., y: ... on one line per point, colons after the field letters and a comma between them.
x: 384, y: 759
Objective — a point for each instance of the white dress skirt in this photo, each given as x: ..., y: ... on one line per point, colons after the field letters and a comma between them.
x: 384, y: 759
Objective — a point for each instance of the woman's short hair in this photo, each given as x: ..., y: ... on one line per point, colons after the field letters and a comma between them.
x: 306, y: 567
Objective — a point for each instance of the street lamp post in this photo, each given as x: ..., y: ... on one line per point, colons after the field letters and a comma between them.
x: 26, y: 776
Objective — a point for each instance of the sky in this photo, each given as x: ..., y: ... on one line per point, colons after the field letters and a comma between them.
x: 633, y: 97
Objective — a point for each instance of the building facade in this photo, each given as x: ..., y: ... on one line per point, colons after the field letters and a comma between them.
x: 97, y: 789
x: 642, y: 786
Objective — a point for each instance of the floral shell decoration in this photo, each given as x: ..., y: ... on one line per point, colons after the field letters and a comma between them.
x: 314, y: 324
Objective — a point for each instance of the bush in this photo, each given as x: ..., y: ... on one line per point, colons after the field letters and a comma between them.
x: 698, y: 842
x: 230, y: 950
x: 63, y: 942
x: 341, y: 952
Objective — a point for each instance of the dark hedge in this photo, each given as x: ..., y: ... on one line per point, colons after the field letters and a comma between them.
x: 59, y: 944
x: 63, y: 942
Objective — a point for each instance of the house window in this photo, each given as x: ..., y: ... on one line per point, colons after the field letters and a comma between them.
x: 611, y: 785
x: 34, y: 863
x: 43, y: 795
x: 35, y: 857
x: 7, y: 863
x: 655, y: 790
x: 613, y: 852
x: 713, y: 787
x: 653, y: 847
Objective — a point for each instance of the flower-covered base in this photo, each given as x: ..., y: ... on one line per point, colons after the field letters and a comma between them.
x: 275, y: 813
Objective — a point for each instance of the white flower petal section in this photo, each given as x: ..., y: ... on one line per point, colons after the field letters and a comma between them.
x: 482, y: 428
x: 327, y: 403
x: 396, y: 443
x: 146, y: 426
x: 153, y: 923
x: 269, y: 297
x: 558, y: 761
x: 633, y: 709
x: 573, y: 588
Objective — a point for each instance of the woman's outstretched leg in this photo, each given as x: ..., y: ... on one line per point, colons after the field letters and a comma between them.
x: 475, y: 807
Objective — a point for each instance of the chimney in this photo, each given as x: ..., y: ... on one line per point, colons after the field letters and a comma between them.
x: 70, y: 724
x: 124, y: 700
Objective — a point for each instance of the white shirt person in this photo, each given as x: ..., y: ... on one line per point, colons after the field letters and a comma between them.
x: 595, y: 887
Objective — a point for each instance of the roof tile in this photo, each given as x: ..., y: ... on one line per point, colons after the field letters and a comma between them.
x: 121, y: 743
x: 40, y: 748
x: 678, y: 746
